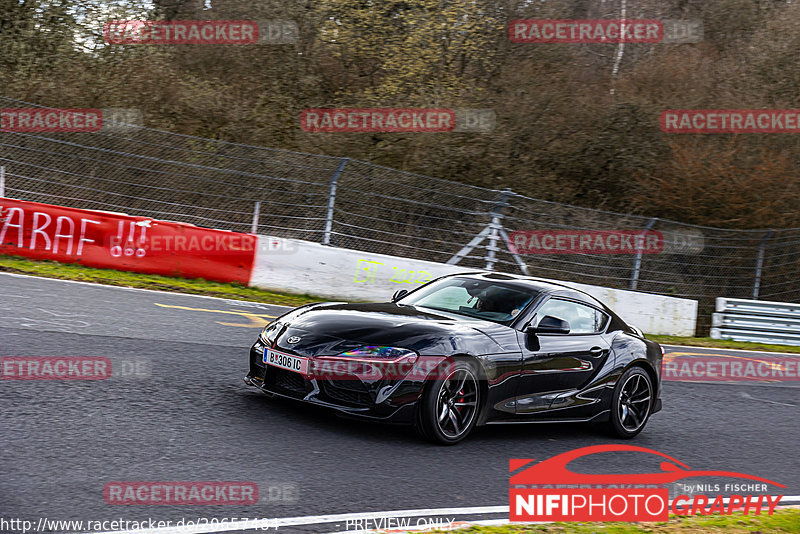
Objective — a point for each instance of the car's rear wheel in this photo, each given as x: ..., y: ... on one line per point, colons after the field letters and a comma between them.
x: 632, y: 401
x: 449, y: 405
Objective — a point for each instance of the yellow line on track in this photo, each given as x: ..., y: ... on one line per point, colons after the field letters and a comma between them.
x: 257, y: 320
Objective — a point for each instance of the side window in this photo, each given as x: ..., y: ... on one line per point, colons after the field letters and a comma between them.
x: 601, y: 320
x: 582, y: 319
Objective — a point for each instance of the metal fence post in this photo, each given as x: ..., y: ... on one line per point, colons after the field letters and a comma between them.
x: 760, y: 263
x: 256, y: 212
x: 494, y: 229
x: 2, y: 181
x: 637, y: 262
x: 326, y: 238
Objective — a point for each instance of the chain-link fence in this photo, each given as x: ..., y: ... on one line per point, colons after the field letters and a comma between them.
x: 359, y: 205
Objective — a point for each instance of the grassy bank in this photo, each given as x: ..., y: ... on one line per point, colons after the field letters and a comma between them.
x: 722, y: 343
x: 73, y: 271
x: 783, y: 521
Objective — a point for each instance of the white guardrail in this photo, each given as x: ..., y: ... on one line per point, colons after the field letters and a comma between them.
x: 306, y: 267
x: 756, y: 320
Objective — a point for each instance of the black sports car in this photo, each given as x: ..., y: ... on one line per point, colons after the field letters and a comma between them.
x: 465, y: 350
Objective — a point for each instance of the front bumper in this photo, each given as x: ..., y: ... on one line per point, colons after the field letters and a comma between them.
x: 656, y: 406
x: 389, y: 401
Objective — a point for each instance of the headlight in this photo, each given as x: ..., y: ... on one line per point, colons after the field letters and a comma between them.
x: 269, y: 333
x: 369, y: 364
x: 382, y: 354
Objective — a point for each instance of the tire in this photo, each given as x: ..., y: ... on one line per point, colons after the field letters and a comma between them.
x: 448, y: 408
x: 631, y: 403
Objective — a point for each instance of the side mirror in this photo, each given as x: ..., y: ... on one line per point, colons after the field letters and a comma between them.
x: 550, y: 325
x: 400, y: 293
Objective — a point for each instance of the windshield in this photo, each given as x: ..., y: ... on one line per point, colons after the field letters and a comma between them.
x: 480, y: 299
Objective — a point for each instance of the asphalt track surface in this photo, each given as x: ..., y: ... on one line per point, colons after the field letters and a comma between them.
x: 186, y: 415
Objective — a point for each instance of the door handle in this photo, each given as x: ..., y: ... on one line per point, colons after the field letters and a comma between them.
x: 596, y: 352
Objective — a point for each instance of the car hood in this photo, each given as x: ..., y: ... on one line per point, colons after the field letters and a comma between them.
x: 333, y: 328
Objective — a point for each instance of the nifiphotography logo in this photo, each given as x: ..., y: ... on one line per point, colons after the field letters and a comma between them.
x: 549, y: 491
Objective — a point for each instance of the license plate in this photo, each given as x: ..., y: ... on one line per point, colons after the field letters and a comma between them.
x: 286, y: 361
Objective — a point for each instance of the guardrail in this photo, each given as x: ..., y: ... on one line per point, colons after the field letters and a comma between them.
x: 756, y: 320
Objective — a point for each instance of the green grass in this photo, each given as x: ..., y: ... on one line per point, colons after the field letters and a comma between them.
x: 782, y: 521
x: 74, y: 271
x: 722, y: 343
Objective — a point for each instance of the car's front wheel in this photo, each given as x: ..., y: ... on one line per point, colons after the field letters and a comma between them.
x: 449, y: 405
x: 633, y: 397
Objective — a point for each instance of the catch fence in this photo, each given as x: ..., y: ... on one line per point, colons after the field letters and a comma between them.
x: 358, y: 205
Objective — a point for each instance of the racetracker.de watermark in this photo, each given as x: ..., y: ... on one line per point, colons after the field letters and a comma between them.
x: 55, y: 367
x: 396, y: 120
x: 73, y: 368
x: 44, y: 524
x: 181, y: 493
x: 731, y: 369
x: 352, y: 367
x: 586, y: 242
x: 730, y: 121
x: 241, y: 32
x: 670, y: 31
x: 224, y: 245
x: 44, y: 120
x: 176, y: 244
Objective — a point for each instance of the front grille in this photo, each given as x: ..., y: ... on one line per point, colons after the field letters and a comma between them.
x: 287, y: 380
x: 346, y: 396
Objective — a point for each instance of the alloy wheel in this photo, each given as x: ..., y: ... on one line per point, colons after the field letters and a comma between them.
x: 457, y: 403
x: 634, y: 402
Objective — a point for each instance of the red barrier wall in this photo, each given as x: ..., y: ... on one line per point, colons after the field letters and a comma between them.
x: 117, y: 241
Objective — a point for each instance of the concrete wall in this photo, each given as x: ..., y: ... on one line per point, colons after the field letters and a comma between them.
x: 305, y: 267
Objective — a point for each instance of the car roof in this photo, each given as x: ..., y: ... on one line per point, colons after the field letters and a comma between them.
x: 546, y: 287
